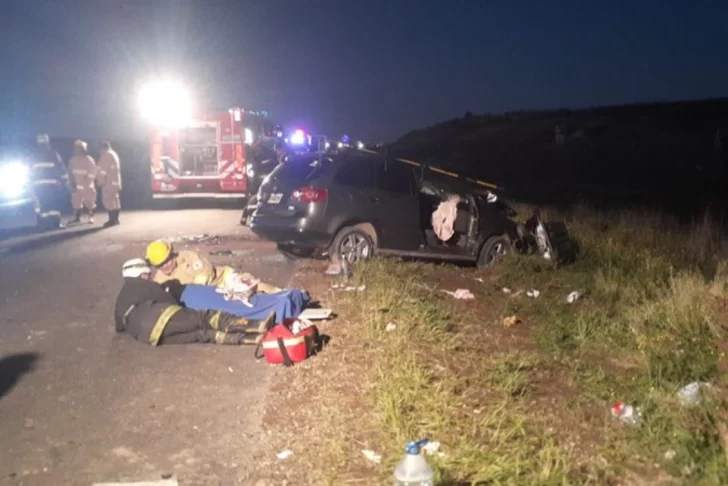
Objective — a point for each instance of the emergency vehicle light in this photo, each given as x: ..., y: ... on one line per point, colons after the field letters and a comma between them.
x: 298, y: 137
x: 14, y: 176
x: 165, y: 103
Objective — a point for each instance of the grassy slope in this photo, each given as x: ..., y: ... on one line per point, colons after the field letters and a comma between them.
x: 528, y: 403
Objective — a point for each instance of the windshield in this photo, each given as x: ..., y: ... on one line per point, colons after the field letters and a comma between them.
x: 301, y: 169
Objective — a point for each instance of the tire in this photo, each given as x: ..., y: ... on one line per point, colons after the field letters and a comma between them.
x: 493, y: 250
x: 292, y: 251
x: 354, y: 243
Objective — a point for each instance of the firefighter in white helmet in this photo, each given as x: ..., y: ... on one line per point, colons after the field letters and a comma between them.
x: 109, y: 179
x: 83, y: 173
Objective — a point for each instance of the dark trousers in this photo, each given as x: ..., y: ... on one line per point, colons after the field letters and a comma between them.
x: 189, y: 326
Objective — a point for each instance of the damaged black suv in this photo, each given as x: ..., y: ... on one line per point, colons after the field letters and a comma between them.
x: 353, y: 204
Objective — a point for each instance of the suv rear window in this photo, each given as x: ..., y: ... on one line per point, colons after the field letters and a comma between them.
x: 301, y: 169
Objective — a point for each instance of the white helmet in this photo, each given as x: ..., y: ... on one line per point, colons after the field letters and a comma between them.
x: 135, y: 268
x: 80, y: 144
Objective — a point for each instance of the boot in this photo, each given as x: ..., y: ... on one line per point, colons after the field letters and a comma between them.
x: 77, y: 217
x: 234, y: 338
x: 113, y: 218
x: 234, y: 324
x: 90, y: 216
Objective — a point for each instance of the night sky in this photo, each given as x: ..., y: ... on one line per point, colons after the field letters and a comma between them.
x: 372, y: 69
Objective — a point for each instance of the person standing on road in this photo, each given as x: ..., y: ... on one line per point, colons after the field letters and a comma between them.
x: 282, y: 152
x: 83, y: 171
x: 146, y: 311
x: 110, y: 181
x: 50, y: 184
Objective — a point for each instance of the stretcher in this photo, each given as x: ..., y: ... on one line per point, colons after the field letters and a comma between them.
x: 286, y: 304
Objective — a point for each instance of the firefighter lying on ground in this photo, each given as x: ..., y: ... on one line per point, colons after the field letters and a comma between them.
x: 190, y: 267
x: 149, y: 313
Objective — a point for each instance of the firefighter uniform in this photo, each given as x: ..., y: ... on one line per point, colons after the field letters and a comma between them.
x: 148, y: 313
x: 83, y: 172
x: 49, y: 184
x: 109, y: 178
x: 190, y: 267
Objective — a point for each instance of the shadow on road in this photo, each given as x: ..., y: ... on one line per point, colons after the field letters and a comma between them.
x: 49, y: 239
x: 13, y: 367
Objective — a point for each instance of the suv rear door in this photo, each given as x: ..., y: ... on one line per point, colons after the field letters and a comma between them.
x: 397, y: 206
x: 353, y: 191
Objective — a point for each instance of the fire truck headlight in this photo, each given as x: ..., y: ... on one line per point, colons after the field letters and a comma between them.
x: 14, y: 177
x: 165, y: 103
x: 341, y: 145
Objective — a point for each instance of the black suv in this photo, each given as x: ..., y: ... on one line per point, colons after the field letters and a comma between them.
x: 353, y: 204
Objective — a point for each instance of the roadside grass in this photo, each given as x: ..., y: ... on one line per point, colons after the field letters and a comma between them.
x: 528, y: 403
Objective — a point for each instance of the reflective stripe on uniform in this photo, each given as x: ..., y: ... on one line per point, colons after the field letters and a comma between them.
x: 126, y: 314
x: 161, y: 323
x: 46, y: 181
x: 220, y: 337
x: 43, y: 165
x: 79, y: 171
x: 102, y: 172
x: 48, y: 214
x: 215, y: 320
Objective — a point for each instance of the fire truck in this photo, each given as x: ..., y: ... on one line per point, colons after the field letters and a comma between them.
x: 206, y: 157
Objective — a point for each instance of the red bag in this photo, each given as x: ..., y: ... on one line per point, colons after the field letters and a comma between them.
x: 282, y: 346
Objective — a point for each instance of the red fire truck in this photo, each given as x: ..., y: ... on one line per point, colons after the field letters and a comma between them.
x: 206, y: 158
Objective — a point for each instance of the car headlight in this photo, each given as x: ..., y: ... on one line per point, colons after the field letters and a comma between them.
x: 14, y: 177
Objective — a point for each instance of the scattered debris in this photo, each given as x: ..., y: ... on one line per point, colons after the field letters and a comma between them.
x: 506, y: 290
x: 510, y: 321
x: 343, y: 288
x: 206, y: 238
x: 230, y: 369
x: 691, y: 394
x: 433, y: 448
x: 284, y: 454
x: 372, y: 456
x: 573, y: 297
x: 627, y: 413
x: 533, y: 293
x: 29, y: 423
x: 460, y: 294
x: 391, y: 327
x: 480, y: 280
x: 231, y: 252
x: 670, y: 455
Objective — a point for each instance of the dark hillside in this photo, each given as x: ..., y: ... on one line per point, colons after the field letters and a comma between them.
x: 644, y: 153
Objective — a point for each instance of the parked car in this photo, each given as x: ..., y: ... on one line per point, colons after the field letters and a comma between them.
x: 354, y: 204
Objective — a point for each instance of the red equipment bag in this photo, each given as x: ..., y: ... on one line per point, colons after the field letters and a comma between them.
x: 281, y: 345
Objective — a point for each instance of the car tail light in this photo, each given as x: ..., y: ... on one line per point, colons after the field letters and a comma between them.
x: 309, y: 195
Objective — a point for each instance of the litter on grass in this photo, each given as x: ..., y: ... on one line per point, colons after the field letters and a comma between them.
x: 372, y: 456
x: 460, y: 294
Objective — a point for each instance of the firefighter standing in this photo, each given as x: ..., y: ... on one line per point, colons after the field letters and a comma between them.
x: 83, y: 172
x: 50, y: 184
x: 110, y: 181
x: 149, y: 313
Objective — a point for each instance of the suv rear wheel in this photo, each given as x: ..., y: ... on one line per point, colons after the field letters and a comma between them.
x: 353, y: 244
x: 493, y: 250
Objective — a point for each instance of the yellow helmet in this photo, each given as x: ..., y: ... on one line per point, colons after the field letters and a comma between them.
x: 158, y: 252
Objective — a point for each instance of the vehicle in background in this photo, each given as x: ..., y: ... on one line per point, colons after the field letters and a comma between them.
x: 354, y: 204
x: 17, y: 203
x: 206, y: 157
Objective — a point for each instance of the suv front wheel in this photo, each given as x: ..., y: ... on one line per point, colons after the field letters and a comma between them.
x: 353, y: 244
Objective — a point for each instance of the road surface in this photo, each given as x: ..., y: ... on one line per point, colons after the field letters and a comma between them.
x: 80, y: 404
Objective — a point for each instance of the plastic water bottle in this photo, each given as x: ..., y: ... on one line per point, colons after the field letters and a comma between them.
x: 413, y: 469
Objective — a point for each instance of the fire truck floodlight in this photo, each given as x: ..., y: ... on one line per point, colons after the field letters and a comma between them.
x: 165, y: 103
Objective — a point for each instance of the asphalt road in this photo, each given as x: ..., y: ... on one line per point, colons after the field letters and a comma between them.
x: 80, y: 404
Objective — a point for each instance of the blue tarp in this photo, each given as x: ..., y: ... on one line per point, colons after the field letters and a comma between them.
x: 286, y: 304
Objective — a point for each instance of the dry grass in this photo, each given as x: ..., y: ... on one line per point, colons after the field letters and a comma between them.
x: 527, y: 404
